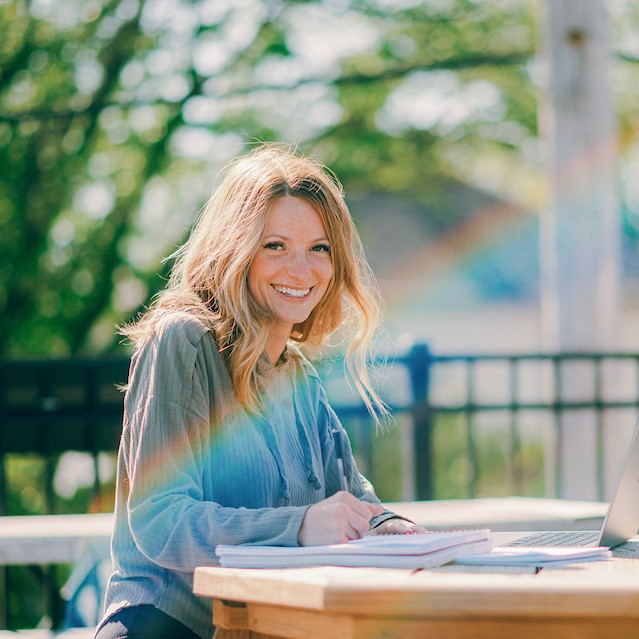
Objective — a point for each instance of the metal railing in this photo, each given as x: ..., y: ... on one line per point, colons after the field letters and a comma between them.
x: 49, y: 407
x: 505, y: 421
x: 535, y: 396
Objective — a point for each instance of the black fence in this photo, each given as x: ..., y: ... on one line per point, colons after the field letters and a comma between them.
x: 49, y: 407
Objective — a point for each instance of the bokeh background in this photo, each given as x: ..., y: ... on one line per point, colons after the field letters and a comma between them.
x: 116, y: 116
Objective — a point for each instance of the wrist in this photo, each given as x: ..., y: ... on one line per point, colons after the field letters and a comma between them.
x: 387, y: 516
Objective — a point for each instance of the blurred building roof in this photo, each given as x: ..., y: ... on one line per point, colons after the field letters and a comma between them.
x: 463, y: 243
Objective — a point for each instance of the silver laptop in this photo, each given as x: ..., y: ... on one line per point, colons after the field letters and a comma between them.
x: 620, y: 524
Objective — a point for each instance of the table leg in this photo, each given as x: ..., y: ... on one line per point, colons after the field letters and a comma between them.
x: 230, y: 619
x: 225, y: 633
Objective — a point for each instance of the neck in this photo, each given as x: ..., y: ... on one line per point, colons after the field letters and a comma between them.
x: 275, y: 347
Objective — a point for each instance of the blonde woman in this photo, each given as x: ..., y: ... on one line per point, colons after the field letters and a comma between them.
x: 228, y: 437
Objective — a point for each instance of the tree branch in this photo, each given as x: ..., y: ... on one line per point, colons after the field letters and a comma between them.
x: 385, y: 75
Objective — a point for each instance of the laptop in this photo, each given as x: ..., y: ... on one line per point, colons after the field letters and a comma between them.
x: 620, y: 524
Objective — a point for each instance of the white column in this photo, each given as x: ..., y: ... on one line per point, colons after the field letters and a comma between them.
x: 580, y: 225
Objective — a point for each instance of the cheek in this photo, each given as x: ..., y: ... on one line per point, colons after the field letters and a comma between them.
x: 250, y: 286
x: 256, y: 274
x: 253, y: 284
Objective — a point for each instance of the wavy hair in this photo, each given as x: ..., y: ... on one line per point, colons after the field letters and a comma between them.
x: 209, y: 278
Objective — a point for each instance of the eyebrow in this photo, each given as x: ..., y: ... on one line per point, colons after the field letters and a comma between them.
x: 279, y: 236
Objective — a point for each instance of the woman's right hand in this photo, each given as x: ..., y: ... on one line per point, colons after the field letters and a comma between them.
x: 336, y: 520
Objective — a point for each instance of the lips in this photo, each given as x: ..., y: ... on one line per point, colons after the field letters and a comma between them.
x: 292, y: 292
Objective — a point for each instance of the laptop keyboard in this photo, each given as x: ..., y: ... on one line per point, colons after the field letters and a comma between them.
x: 627, y: 550
x: 558, y: 538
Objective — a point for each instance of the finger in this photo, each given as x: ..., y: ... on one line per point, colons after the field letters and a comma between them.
x: 351, y: 533
x: 356, y: 532
x: 397, y: 526
x: 364, y: 514
x: 343, y: 537
x: 374, y: 509
x: 364, y: 508
x: 361, y: 525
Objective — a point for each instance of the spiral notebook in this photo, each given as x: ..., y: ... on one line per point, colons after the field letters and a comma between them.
x: 527, y: 556
x: 420, y: 550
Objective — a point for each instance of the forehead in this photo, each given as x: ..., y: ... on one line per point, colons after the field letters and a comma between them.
x: 294, y: 216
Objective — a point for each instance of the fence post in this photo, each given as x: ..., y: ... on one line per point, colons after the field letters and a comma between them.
x: 419, y: 360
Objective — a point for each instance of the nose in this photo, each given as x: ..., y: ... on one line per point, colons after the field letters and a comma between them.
x: 298, y: 267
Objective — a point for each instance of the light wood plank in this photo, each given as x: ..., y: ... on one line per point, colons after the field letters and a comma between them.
x: 222, y: 633
x: 267, y: 622
x: 251, y: 621
x: 609, y: 590
x: 292, y: 623
x: 229, y: 616
x: 302, y: 588
x: 531, y: 628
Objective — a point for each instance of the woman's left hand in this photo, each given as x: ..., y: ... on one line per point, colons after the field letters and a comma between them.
x: 397, y: 527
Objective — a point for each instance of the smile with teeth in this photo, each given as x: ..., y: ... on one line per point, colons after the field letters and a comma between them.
x: 292, y: 292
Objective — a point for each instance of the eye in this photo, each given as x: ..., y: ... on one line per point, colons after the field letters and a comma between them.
x: 322, y: 248
x: 274, y: 246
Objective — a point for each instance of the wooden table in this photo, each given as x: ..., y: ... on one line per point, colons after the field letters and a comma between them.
x: 583, y: 601
x: 54, y: 539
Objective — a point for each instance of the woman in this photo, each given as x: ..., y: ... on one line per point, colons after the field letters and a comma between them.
x: 228, y: 437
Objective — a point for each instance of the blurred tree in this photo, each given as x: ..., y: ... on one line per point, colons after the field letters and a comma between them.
x: 115, y: 116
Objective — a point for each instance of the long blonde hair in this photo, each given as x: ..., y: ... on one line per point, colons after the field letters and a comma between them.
x: 209, y: 275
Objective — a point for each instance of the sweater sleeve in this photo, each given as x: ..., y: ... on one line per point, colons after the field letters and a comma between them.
x: 165, y: 441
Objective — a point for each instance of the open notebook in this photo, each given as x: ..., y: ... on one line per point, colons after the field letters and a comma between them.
x: 421, y: 550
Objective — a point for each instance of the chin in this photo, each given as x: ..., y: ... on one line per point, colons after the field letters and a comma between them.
x: 296, y: 321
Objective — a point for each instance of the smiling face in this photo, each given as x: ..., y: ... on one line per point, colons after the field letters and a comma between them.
x: 292, y: 268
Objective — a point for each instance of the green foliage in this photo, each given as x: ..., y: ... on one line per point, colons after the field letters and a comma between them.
x: 30, y: 491
x: 484, y: 465
x: 115, y: 116
x: 26, y: 481
x: 31, y: 485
